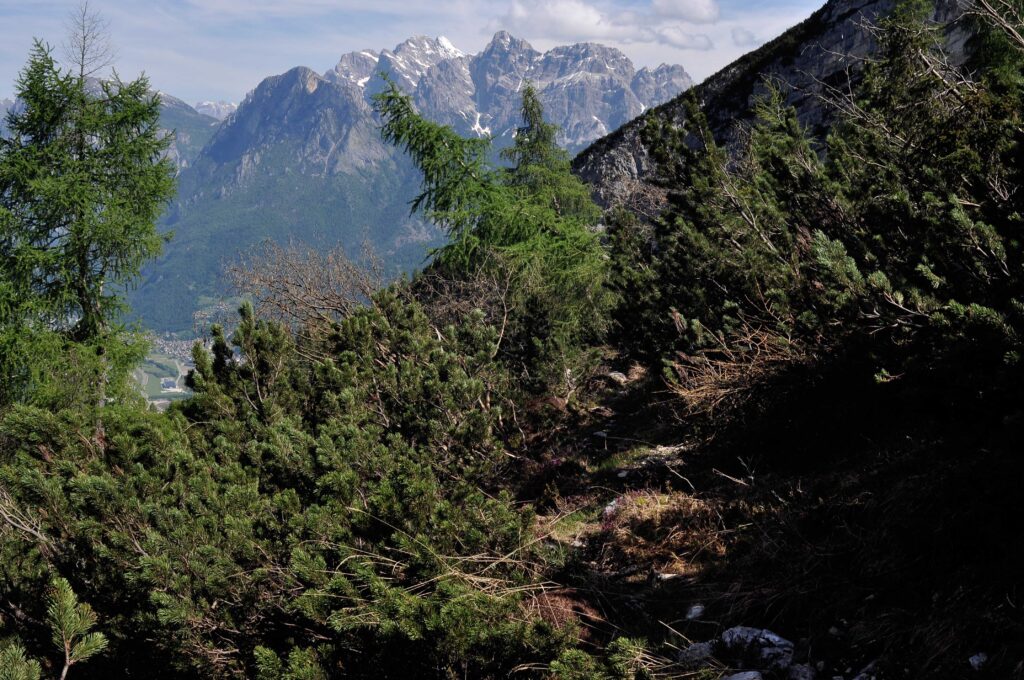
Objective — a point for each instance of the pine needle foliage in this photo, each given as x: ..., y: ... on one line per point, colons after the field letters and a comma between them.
x: 14, y: 665
x: 72, y: 623
x: 893, y: 240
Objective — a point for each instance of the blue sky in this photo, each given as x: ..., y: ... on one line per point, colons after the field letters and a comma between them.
x: 221, y: 49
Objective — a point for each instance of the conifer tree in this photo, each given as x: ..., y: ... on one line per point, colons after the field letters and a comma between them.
x: 534, y: 220
x: 82, y: 183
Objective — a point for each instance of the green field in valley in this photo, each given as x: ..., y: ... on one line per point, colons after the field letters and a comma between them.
x: 156, y: 368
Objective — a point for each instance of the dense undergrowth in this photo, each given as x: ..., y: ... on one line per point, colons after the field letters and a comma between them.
x: 816, y: 427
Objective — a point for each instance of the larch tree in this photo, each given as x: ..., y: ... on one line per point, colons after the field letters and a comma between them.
x: 532, y: 220
x: 83, y: 180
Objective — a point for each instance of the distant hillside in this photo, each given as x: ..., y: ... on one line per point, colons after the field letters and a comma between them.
x: 301, y: 158
x: 192, y: 130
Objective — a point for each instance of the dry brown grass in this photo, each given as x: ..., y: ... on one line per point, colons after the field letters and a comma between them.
x: 726, y: 377
x: 566, y: 610
x: 671, y: 533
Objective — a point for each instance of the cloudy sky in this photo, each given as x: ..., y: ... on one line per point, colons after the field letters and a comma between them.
x: 221, y: 49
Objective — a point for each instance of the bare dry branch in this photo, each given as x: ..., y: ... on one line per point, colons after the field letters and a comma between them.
x: 305, y: 288
x: 87, y: 47
x: 727, y: 375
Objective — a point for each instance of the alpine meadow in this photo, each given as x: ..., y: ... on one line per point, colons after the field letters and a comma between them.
x: 521, y: 363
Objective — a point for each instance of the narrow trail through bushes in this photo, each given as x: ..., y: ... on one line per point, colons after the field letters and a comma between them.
x: 893, y: 550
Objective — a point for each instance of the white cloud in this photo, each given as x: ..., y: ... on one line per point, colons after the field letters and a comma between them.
x: 741, y: 37
x: 678, y: 37
x: 578, y: 20
x: 695, y: 11
x: 559, y: 18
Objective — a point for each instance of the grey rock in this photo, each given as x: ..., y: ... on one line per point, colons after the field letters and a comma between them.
x: 587, y: 89
x: 978, y: 661
x: 696, y: 655
x: 745, y: 675
x: 355, y: 68
x: 657, y: 86
x: 801, y: 671
x: 618, y: 378
x: 695, y: 612
x: 757, y: 647
x: 191, y: 129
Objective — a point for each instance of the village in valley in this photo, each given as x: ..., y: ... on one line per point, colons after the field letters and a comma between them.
x: 161, y: 376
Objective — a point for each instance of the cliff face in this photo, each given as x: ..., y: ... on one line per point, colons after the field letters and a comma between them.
x: 825, y: 49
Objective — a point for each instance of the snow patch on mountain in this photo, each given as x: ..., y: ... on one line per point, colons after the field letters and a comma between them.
x: 219, y: 110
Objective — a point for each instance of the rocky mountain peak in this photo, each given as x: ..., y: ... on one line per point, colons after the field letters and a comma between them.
x: 219, y: 110
x: 585, y: 58
x: 656, y: 86
x: 589, y: 88
x: 412, y: 58
x: 505, y: 42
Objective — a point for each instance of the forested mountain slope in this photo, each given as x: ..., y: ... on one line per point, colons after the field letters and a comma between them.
x: 826, y: 50
x: 772, y: 433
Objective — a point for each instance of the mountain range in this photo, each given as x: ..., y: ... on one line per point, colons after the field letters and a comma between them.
x: 301, y: 157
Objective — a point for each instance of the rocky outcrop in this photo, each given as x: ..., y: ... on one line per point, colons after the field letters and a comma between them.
x: 191, y: 130
x: 304, y: 122
x: 827, y: 48
x: 762, y: 653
